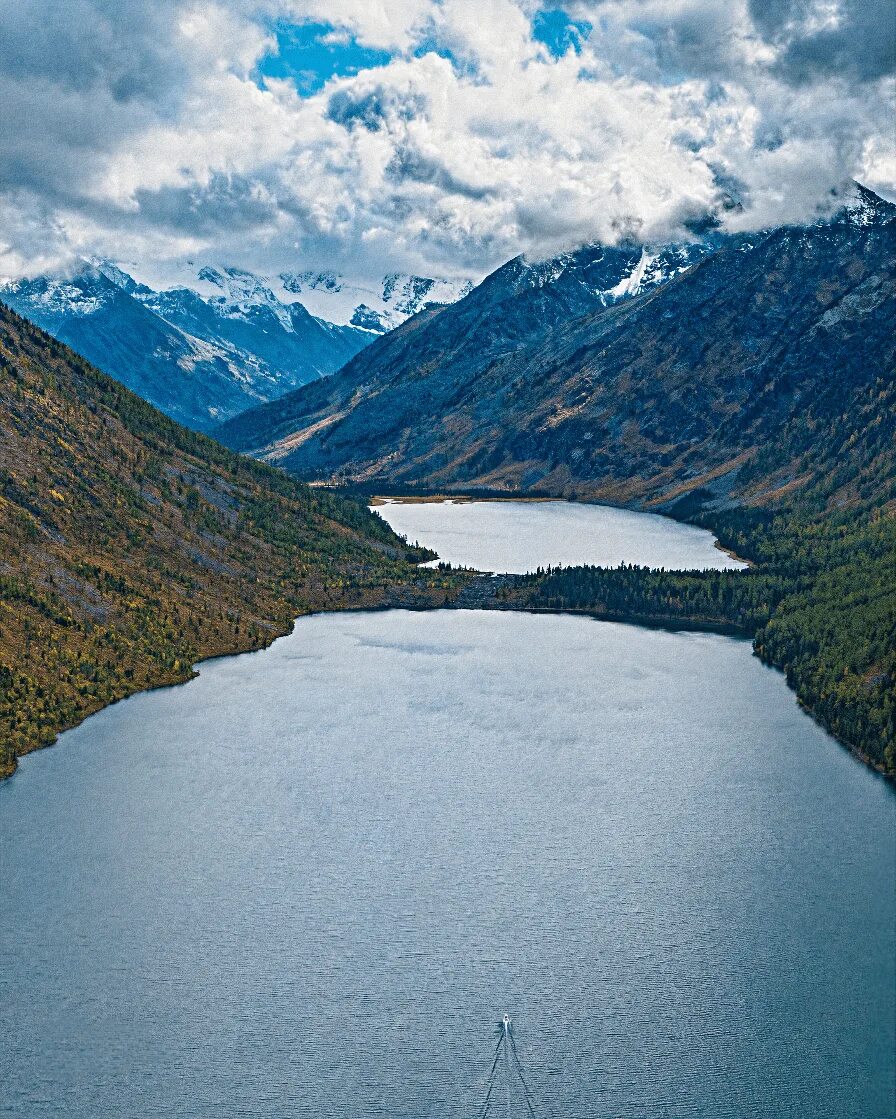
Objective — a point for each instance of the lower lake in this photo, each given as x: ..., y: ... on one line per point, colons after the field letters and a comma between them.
x: 311, y: 881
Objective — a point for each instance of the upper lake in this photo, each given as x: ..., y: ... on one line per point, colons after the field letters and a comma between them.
x: 519, y: 536
x: 310, y: 882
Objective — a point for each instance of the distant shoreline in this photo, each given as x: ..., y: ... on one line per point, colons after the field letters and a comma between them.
x: 456, y: 499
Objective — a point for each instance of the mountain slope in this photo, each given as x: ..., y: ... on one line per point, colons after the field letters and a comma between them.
x: 513, y: 309
x: 198, y: 360
x: 131, y: 547
x: 766, y: 341
x: 275, y: 346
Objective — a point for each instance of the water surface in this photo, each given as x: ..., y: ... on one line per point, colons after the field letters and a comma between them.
x: 310, y: 882
x: 519, y: 536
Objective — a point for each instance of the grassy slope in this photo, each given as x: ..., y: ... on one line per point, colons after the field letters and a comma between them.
x: 131, y: 547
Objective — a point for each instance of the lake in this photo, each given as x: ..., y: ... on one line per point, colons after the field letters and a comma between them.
x: 311, y: 881
x: 519, y: 536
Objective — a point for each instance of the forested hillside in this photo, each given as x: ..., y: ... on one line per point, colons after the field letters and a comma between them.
x: 131, y: 547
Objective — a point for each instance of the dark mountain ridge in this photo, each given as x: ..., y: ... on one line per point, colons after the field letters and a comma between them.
x: 513, y: 307
x: 768, y: 337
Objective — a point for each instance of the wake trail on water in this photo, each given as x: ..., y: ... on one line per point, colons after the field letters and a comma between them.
x: 507, y: 1043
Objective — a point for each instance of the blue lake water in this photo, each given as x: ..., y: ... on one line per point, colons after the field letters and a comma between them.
x: 311, y: 881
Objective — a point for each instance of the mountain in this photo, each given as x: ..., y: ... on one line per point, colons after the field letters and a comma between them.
x: 376, y: 305
x: 620, y: 374
x: 131, y: 547
x: 198, y: 359
x: 515, y: 307
x: 280, y: 344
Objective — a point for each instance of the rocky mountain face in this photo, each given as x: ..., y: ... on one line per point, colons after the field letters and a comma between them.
x: 624, y: 374
x: 200, y: 358
x: 513, y: 307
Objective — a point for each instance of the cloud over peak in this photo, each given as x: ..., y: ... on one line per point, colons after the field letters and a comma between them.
x: 426, y: 135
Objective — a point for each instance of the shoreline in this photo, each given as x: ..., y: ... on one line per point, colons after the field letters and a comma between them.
x: 726, y: 551
x: 642, y: 622
x: 398, y: 596
x: 392, y: 596
x: 378, y: 500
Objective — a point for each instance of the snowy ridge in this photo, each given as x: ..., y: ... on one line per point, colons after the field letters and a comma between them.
x: 374, y: 305
x: 631, y: 284
x: 56, y: 296
x: 863, y: 207
x: 198, y: 355
x: 237, y: 293
x: 607, y: 275
x: 655, y: 268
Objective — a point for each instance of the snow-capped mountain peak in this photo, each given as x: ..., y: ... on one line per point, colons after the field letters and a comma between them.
x: 75, y: 294
x: 375, y: 305
x: 238, y: 292
x: 862, y: 207
x: 199, y: 355
x: 598, y: 275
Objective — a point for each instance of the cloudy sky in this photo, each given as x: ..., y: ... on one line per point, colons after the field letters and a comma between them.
x: 438, y: 136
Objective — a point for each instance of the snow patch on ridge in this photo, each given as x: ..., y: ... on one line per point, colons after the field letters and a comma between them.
x: 631, y: 284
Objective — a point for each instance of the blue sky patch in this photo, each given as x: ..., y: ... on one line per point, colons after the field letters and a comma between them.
x: 558, y: 31
x: 308, y: 60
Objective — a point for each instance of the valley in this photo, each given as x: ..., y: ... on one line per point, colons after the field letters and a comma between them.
x: 747, y: 386
x: 740, y: 369
x: 448, y: 560
x: 723, y: 382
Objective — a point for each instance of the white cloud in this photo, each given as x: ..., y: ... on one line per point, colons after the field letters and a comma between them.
x: 149, y: 132
x: 386, y: 24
